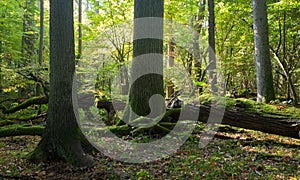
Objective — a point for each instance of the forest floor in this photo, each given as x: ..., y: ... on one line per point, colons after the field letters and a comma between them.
x: 233, y: 154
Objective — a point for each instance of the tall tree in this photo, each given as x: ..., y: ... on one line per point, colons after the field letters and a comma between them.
x: 171, y: 57
x: 211, y: 41
x: 62, y: 138
x: 147, y: 68
x: 197, y: 27
x: 79, y: 29
x: 41, y: 42
x: 265, y: 89
x: 28, y: 37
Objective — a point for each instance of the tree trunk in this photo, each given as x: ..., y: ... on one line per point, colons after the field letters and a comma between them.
x: 189, y: 61
x: 28, y: 37
x: 197, y: 24
x: 79, y: 29
x: 1, y: 52
x: 265, y: 89
x: 62, y: 138
x: 41, y: 43
x: 147, y: 65
x: 212, y: 75
x: 170, y: 64
x: 28, y: 42
x: 171, y: 55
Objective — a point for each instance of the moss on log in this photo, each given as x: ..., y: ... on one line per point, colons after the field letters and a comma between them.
x: 239, y: 118
x: 5, y: 122
x: 35, y: 118
x: 27, y: 103
x: 19, y: 130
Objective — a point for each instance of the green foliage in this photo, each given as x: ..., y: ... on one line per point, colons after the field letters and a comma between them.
x: 108, y: 27
x: 107, y: 14
x: 143, y: 174
x: 284, y: 40
x: 19, y: 25
x: 10, y: 33
x: 234, y: 43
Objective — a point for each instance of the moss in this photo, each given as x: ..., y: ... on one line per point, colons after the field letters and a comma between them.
x: 5, y: 122
x: 19, y: 130
x: 270, y: 110
x: 252, y: 106
x: 27, y: 103
x: 205, y: 99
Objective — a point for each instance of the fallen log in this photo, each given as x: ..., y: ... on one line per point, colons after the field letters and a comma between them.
x: 21, y: 130
x: 5, y: 122
x: 25, y: 104
x: 238, y: 117
x: 43, y: 115
x: 7, y: 100
x: 39, y: 120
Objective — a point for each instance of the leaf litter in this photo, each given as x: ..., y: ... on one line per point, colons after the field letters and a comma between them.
x: 238, y: 154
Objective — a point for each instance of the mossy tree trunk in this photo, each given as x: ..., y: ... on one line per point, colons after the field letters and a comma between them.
x: 62, y: 138
x: 147, y: 68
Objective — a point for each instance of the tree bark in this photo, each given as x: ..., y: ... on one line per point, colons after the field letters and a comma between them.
x: 79, y: 29
x: 197, y: 24
x: 62, y: 138
x: 265, y: 88
x: 28, y: 37
x: 41, y: 43
x: 147, y: 70
x: 171, y: 57
x: 212, y: 75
